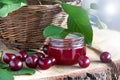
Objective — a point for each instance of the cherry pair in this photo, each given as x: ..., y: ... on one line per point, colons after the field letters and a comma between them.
x: 84, y: 61
x: 15, y: 61
x: 40, y: 60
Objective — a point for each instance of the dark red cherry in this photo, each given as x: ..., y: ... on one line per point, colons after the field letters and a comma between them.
x: 31, y: 61
x: 84, y: 61
x: 7, y: 57
x: 15, y: 64
x: 105, y: 57
x: 52, y: 59
x: 22, y: 55
x: 45, y: 63
x: 45, y: 49
x: 39, y: 55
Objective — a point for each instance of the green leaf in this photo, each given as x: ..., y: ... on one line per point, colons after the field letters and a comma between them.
x: 55, y: 32
x: 30, y: 52
x: 8, y: 6
x: 80, y: 20
x: 5, y: 75
x: 1, y: 5
x: 94, y: 6
x: 23, y: 71
x: 3, y: 65
x: 72, y: 26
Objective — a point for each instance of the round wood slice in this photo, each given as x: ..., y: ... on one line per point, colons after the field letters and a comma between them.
x: 105, y: 40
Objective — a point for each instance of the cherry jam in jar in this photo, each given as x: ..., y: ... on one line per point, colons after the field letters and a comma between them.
x: 67, y: 51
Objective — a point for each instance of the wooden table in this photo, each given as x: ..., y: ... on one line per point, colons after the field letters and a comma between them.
x: 105, y: 40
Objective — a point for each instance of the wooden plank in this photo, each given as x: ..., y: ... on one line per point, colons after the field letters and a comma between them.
x: 105, y: 40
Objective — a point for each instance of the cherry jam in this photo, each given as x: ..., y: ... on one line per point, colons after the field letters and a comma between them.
x: 67, y: 51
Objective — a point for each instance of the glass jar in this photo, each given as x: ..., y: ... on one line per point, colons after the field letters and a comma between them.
x: 67, y: 51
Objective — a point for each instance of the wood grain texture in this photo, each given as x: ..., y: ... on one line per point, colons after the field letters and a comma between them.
x: 105, y: 40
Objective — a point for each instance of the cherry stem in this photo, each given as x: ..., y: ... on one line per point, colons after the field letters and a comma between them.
x: 94, y: 49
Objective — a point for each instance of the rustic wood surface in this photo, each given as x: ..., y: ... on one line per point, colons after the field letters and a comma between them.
x: 105, y: 40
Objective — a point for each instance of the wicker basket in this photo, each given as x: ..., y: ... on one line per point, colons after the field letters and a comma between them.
x: 23, y: 28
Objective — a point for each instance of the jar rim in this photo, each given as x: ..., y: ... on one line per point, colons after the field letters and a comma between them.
x: 79, y: 36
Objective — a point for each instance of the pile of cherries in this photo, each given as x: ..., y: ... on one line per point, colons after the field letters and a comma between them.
x: 15, y: 61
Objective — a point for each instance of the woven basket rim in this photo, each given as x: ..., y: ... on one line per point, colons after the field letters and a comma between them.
x: 44, y: 5
x: 38, y: 6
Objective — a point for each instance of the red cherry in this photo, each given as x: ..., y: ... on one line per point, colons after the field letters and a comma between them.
x: 31, y: 61
x: 45, y: 49
x: 15, y: 64
x: 45, y: 63
x: 53, y: 60
x: 7, y: 57
x: 105, y: 57
x: 84, y: 61
x: 22, y: 55
x: 39, y: 55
